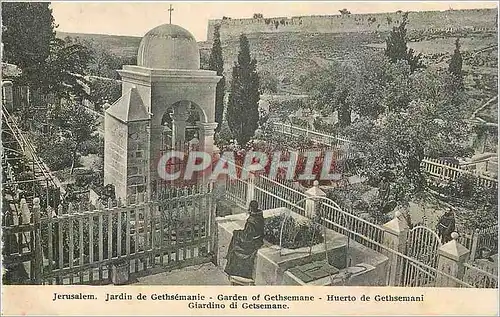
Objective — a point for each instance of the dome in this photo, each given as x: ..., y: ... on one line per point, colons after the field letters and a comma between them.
x: 169, y: 46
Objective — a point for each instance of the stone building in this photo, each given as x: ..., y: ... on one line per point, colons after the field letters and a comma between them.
x: 167, y: 81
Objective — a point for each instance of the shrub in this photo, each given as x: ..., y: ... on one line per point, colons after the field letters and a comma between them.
x: 295, y: 234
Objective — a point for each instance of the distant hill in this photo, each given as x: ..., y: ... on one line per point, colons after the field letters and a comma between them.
x: 125, y: 46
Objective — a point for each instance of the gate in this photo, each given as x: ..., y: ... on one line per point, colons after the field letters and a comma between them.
x: 422, y: 245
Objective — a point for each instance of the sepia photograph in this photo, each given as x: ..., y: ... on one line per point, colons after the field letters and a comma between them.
x: 249, y: 144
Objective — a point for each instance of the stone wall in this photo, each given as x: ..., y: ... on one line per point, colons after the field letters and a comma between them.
x: 137, y: 156
x: 115, y: 155
x: 426, y: 21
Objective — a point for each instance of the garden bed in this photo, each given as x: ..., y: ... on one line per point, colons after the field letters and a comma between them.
x: 272, y: 265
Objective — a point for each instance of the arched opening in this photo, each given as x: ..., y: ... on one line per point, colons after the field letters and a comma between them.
x: 184, y: 115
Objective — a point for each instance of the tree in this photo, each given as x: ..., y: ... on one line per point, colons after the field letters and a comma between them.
x: 258, y: 16
x: 216, y: 63
x: 431, y: 125
x: 243, y: 103
x: 268, y: 82
x: 396, y: 46
x: 28, y: 31
x: 455, y: 65
x: 48, y: 64
x: 77, y: 127
x: 103, y: 62
x: 102, y: 91
x: 359, y: 86
x: 66, y: 68
x: 344, y: 12
x: 331, y: 90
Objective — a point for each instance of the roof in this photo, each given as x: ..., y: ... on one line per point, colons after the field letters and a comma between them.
x: 129, y: 107
x: 170, y: 31
x: 169, y: 46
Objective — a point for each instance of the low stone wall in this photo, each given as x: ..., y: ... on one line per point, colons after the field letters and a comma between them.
x: 366, y: 266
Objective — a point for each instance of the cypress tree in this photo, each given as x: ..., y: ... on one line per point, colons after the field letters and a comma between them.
x: 216, y: 63
x: 243, y: 103
x: 397, y: 49
x: 455, y: 65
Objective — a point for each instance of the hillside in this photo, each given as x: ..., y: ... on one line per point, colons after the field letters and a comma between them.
x: 124, y: 46
x: 291, y: 56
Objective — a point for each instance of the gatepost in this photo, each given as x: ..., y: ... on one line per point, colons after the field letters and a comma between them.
x: 395, y: 235
x: 312, y: 201
x: 451, y: 259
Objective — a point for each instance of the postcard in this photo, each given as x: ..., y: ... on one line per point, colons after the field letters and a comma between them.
x: 333, y: 158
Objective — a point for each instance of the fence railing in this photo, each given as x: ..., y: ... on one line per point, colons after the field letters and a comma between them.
x: 447, y: 171
x: 404, y: 271
x: 316, y: 136
x: 274, y: 194
x: 480, y: 277
x: 78, y: 246
x: 479, y: 239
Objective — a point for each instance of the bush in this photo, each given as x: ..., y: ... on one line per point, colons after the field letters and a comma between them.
x: 295, y: 235
x: 55, y: 153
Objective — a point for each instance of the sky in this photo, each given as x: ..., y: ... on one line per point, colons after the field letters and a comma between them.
x: 136, y: 18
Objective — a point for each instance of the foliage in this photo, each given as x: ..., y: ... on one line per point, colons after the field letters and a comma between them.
x: 332, y: 89
x: 104, y: 91
x: 27, y: 34
x: 48, y: 64
x: 455, y: 65
x: 479, y: 204
x: 258, y: 16
x: 283, y: 108
x: 74, y: 134
x: 351, y: 198
x: 216, y: 63
x: 65, y: 69
x: 103, y: 62
x: 432, y: 125
x: 325, y: 127
x: 268, y: 82
x: 396, y: 46
x: 55, y: 152
x: 369, y: 87
x: 296, y: 234
x: 469, y: 193
x: 344, y: 12
x: 242, y: 110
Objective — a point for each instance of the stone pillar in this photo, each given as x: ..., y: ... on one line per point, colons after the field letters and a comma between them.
x: 206, y: 136
x: 206, y: 142
x: 179, y: 117
x: 313, y: 201
x: 395, y: 235
x: 451, y: 259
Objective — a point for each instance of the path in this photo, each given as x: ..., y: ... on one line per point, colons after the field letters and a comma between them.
x: 203, y: 274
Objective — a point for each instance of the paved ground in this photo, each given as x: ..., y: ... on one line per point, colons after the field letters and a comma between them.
x: 203, y: 274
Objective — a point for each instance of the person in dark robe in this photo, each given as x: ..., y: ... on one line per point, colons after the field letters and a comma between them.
x: 245, y: 244
x: 446, y: 226
x: 384, y: 191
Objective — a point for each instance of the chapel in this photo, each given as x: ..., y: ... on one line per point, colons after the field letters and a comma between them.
x: 163, y: 97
